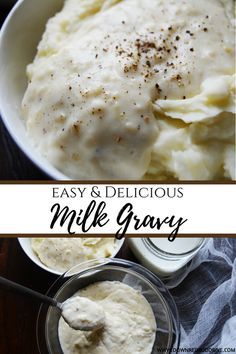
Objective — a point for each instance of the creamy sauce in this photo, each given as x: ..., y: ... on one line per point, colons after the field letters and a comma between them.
x: 129, y: 325
x: 62, y: 254
x: 135, y: 89
x: 83, y: 314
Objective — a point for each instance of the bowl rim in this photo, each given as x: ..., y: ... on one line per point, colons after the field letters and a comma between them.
x: 171, y: 256
x: 41, y: 265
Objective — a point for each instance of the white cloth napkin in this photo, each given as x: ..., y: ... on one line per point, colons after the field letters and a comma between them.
x: 206, y: 298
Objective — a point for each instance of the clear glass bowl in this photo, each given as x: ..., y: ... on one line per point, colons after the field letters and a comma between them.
x: 132, y: 274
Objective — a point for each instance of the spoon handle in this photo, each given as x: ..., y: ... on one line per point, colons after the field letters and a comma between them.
x: 17, y: 288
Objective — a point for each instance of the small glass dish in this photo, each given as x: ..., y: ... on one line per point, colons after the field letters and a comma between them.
x: 132, y: 274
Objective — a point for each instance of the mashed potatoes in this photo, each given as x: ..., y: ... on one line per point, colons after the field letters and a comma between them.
x: 61, y: 254
x: 135, y: 89
x: 129, y: 328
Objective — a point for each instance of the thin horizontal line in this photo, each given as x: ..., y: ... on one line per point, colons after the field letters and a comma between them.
x: 112, y: 235
x: 141, y: 182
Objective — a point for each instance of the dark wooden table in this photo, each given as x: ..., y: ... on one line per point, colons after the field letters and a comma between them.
x: 13, y: 163
x: 18, y: 314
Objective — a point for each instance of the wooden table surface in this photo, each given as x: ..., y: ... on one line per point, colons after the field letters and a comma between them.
x: 18, y: 314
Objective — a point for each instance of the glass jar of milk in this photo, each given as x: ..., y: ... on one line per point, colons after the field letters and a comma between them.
x: 163, y: 257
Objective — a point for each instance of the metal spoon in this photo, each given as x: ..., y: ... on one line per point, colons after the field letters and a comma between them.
x: 80, y: 313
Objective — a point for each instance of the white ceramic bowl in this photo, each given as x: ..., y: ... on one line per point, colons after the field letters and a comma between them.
x: 25, y: 244
x: 19, y: 37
